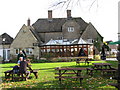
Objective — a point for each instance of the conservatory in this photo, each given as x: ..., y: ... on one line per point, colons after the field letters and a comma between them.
x: 64, y: 48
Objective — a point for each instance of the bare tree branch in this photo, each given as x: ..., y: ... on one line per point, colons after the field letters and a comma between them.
x: 70, y: 3
x: 92, y: 4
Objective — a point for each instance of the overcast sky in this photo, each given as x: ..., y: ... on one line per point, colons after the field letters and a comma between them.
x: 103, y: 15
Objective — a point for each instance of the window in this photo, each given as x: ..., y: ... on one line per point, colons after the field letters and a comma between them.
x: 29, y: 51
x: 90, y: 40
x: 4, y: 39
x: 71, y: 29
x: 17, y: 51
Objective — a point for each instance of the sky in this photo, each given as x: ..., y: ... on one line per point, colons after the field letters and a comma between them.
x: 103, y: 14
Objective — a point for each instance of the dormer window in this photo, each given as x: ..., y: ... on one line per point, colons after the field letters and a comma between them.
x: 70, y: 29
x: 4, y: 39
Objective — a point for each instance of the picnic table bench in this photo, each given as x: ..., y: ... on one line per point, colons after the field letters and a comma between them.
x: 82, y: 60
x: 76, y: 72
x: 9, y: 73
x: 111, y: 70
x: 90, y: 71
x: 105, y: 68
x: 115, y: 85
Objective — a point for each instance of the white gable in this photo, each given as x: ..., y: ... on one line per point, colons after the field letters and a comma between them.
x: 81, y: 41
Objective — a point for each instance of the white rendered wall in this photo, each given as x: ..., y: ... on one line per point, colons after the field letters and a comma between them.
x: 119, y: 20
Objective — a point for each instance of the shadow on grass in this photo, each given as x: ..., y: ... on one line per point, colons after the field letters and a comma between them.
x: 46, y: 68
x: 73, y: 66
x: 53, y: 85
x: 113, y: 63
x: 6, y: 67
x: 89, y: 82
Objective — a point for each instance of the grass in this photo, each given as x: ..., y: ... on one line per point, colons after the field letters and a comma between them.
x: 46, y: 77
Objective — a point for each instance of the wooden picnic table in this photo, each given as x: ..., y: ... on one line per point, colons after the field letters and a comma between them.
x: 104, y: 68
x: 9, y: 73
x: 75, y: 71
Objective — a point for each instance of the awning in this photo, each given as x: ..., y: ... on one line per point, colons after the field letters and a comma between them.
x: 112, y: 43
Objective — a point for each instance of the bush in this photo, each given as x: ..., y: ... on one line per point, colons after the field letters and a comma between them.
x: 39, y: 61
x: 61, y: 59
x: 97, y: 57
x: 14, y: 61
x: 48, y: 55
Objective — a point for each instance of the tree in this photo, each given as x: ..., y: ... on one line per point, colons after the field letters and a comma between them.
x: 66, y: 4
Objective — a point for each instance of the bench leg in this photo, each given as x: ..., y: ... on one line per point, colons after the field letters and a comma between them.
x: 90, y: 72
x: 60, y: 80
x: 77, y: 63
x: 88, y: 63
x: 7, y: 75
x: 23, y: 76
x: 12, y: 76
x: 81, y: 81
x: 36, y: 74
x: 87, y: 71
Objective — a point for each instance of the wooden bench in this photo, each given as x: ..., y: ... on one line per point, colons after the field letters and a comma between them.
x: 8, y: 73
x: 17, y: 76
x: 74, y: 77
x: 78, y: 61
x: 75, y: 74
x: 90, y: 71
x: 108, y: 71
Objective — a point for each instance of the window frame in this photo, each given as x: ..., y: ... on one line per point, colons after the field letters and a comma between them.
x: 70, y: 29
x: 29, y: 52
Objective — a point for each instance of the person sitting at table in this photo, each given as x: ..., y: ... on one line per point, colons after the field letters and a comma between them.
x: 23, y: 68
x: 16, y: 69
x: 28, y: 60
x: 20, y: 59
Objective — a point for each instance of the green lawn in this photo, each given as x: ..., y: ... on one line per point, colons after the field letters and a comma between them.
x: 46, y: 77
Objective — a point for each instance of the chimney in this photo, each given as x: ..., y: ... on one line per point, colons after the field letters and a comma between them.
x: 68, y: 13
x: 28, y: 22
x: 49, y: 14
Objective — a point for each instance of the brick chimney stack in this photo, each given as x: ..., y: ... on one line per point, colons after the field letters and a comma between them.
x: 28, y: 22
x: 69, y: 14
x: 49, y: 14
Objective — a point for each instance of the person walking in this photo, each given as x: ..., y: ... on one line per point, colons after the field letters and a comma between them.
x: 21, y: 54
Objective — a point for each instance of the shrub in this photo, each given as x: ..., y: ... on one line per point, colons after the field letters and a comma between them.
x: 97, y: 57
x: 48, y: 55
x: 14, y: 60
x: 39, y: 61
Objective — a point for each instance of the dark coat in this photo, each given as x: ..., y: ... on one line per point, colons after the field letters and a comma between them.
x: 23, y: 67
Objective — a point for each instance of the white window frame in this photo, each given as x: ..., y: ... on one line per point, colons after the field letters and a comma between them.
x: 17, y: 52
x: 70, y: 29
x: 90, y: 40
x: 29, y: 52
